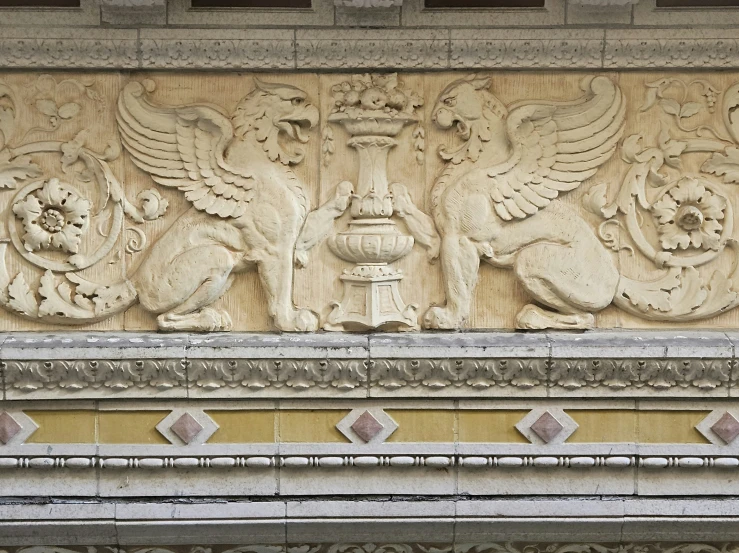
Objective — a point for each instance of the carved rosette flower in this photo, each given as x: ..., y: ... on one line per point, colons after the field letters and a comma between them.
x: 54, y: 217
x: 689, y: 215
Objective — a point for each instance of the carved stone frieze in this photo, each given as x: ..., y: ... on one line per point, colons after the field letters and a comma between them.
x: 658, y: 374
x: 434, y: 374
x: 293, y: 202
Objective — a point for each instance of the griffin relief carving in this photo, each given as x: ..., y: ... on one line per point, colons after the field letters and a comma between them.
x: 497, y: 200
x: 584, y: 213
x: 248, y: 208
x: 247, y: 205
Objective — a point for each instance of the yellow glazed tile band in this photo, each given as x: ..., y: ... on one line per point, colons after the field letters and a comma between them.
x: 414, y: 426
x: 131, y: 427
x: 317, y: 425
x: 244, y: 427
x: 64, y: 427
x: 493, y: 426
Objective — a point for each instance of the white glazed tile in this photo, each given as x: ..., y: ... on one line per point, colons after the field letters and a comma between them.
x: 547, y: 481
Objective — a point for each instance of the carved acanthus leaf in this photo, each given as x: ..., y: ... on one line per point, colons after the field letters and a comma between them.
x: 7, y: 114
x: 645, y: 295
x: 724, y: 165
x: 17, y: 169
x: 20, y: 297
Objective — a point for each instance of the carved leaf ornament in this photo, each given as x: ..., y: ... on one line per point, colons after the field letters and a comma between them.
x: 497, y: 199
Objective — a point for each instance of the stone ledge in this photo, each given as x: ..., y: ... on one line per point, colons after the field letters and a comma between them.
x: 665, y: 364
x: 447, y: 522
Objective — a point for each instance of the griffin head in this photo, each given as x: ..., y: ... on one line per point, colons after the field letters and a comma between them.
x: 274, y: 110
x: 475, y: 111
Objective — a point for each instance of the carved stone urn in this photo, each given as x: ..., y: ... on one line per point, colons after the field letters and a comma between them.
x: 373, y: 110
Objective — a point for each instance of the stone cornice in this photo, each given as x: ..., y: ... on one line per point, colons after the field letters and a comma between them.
x: 345, y: 49
x: 405, y: 547
x: 596, y: 364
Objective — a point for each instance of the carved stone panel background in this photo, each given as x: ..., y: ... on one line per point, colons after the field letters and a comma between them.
x: 298, y: 202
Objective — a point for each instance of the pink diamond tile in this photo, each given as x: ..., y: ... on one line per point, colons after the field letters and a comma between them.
x: 726, y: 428
x: 547, y: 427
x: 187, y: 428
x: 8, y: 427
x: 367, y: 426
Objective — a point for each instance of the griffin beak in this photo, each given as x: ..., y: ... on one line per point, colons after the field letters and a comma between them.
x: 296, y: 124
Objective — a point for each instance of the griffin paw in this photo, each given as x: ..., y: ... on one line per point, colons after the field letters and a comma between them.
x: 439, y: 318
x: 303, y: 320
x: 204, y: 320
x: 532, y: 317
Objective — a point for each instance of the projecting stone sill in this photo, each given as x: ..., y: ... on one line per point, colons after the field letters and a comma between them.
x: 492, y: 364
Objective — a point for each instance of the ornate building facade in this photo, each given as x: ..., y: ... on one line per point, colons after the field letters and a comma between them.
x: 369, y: 276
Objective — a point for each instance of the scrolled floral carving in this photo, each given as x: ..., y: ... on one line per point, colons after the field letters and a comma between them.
x: 60, y: 102
x: 53, y: 216
x: 7, y: 114
x: 13, y: 168
x: 689, y: 215
x: 693, y: 214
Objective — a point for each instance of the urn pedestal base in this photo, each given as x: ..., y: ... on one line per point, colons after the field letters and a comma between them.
x: 372, y: 302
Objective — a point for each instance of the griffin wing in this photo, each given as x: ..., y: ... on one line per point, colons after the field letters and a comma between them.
x: 182, y: 147
x: 556, y: 147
